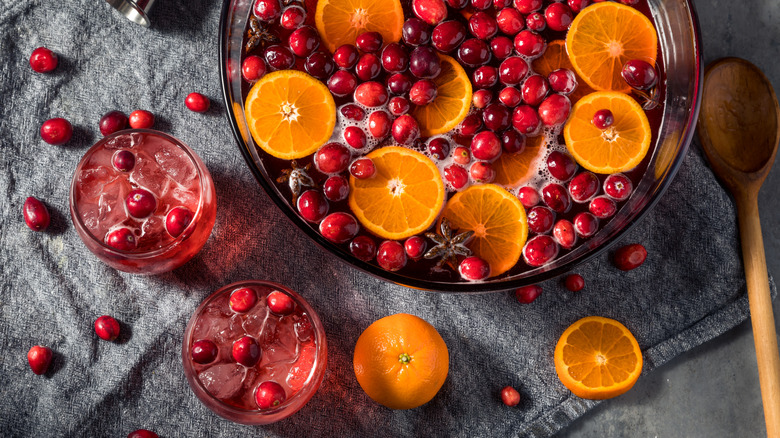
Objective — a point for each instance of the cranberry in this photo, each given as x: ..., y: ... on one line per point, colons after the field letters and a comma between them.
x: 430, y: 11
x: 528, y: 196
x: 510, y: 96
x: 269, y: 395
x: 342, y: 83
x: 355, y: 137
x: 399, y: 83
x: 394, y: 58
x: 142, y: 433
x: 439, y: 148
x: 122, y: 239
x: 415, y: 247
x: 268, y: 10
x: 540, y: 250
x: 481, y: 5
x: 312, y: 205
x: 512, y: 70
x: 362, y: 168
x: 618, y: 187
x: 630, y: 257
x: 424, y: 63
x: 602, y: 207
x: 558, y: 16
x: 474, y: 269
x: 246, y: 351
x: 564, y: 234
x: 405, y: 129
x: 501, y: 4
x: 556, y: 197
x: 461, y: 155
x: 586, y: 224
x: 574, y: 282
x: 43, y: 60
x: 482, y: 172
x: 535, y: 21
x: 123, y: 161
x: 379, y: 124
x: 496, y: 117
x: 336, y: 188
x: 112, y: 122
x: 535, y: 89
x: 528, y: 6
x: 140, y: 119
x: 485, y: 76
x: 526, y: 120
x: 204, y: 351
x: 510, y: 396
x: 177, y: 220
x: 562, y: 81
x: 416, y: 32
x: 292, y: 17
x: 555, y: 110
x: 486, y: 146
x: 363, y: 247
x: 56, y: 131
x: 398, y: 106
x: 371, y: 94
x: 561, y: 165
x: 107, y: 328
x: 528, y: 294
x: 448, y: 35
x: 471, y: 124
x: 353, y: 112
x: 501, y: 47
x: 474, y: 52
x: 140, y: 203
x: 510, y: 21
x: 39, y: 358
x: 346, y: 56
x: 630, y: 2
x: 339, y: 227
x: 577, y: 5
x: 332, y: 158
x: 320, y: 65
x: 368, y: 67
x: 423, y: 92
x: 483, y: 26
x: 196, y: 102
x: 583, y: 186
x: 35, y: 213
x: 603, y: 119
x: 457, y: 4
x: 241, y: 300
x: 529, y: 43
x: 280, y: 303
x: 639, y: 74
x: 540, y: 219
x: 481, y: 98
x: 304, y: 40
x: 369, y: 42
x: 456, y: 175
x: 391, y: 255
x: 279, y: 57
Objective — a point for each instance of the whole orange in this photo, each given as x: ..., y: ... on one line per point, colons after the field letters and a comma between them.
x: 401, y: 361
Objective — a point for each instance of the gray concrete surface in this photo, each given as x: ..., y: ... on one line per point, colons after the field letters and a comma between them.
x: 711, y: 391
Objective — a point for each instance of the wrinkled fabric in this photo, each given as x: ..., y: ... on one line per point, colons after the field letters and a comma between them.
x: 690, y: 290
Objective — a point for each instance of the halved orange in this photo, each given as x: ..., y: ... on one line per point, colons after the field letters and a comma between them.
x: 404, y: 196
x: 603, y: 37
x: 452, y: 103
x: 555, y: 57
x: 341, y: 21
x: 498, y: 221
x: 290, y: 114
x: 620, y: 147
x: 598, y: 358
x: 514, y: 170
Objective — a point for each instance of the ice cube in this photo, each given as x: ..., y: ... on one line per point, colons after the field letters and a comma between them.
x: 303, y: 328
x: 230, y: 331
x: 185, y: 197
x: 175, y: 162
x: 254, y: 322
x: 153, y: 229
x: 121, y: 142
x: 146, y: 173
x: 279, y: 340
x: 223, y: 381
x: 92, y: 180
x: 89, y: 215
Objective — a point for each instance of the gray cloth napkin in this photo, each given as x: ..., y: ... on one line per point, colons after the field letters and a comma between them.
x: 690, y: 290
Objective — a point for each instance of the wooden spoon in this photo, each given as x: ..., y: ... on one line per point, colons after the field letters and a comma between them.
x: 738, y: 130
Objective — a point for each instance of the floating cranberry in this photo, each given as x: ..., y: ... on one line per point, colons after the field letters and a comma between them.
x: 141, y: 119
x: 510, y: 396
x: 639, y: 74
x: 481, y: 5
x: 336, y: 188
x: 339, y: 227
x: 279, y: 57
x: 457, y: 4
x: 574, y: 282
x: 456, y: 175
x: 195, y: 102
x: 43, y: 60
x: 371, y: 94
x: 292, y: 17
x: 526, y: 120
x: 415, y: 247
x: 394, y: 58
x: 564, y: 234
x: 368, y: 67
x: 496, y: 117
x: 430, y: 11
x: 140, y: 203
x: 501, y: 47
x: 578, y: 5
x: 562, y: 81
x: 312, y: 205
x: 540, y: 250
x: 586, y: 224
x: 474, y: 52
x: 280, y: 303
x: 363, y: 247
x: 474, y: 269
x: 602, y: 207
x: 529, y: 43
x: 555, y: 110
x: 439, y: 148
x: 448, y: 35
x: 112, y: 122
x: 204, y: 351
x: 142, y: 433
x: 558, y: 16
x: 501, y: 4
x: 391, y: 255
x: 540, y: 219
x: 482, y: 172
x: 332, y: 158
x: 56, y: 131
x: 379, y: 124
x: 535, y: 21
x: 512, y: 70
x: 267, y: 10
x: 510, y: 97
x: 603, y: 119
x: 556, y: 197
x: 528, y: 294
x: 528, y: 6
x: 342, y: 83
x: 123, y: 161
x: 535, y: 89
x: 561, y: 166
x: 485, y: 76
x: 369, y: 42
x: 353, y: 112
x: 423, y: 92
x: 35, y: 213
x: 583, y: 187
x: 122, y: 239
x: 630, y: 2
x: 618, y: 187
x: 320, y: 65
x: 177, y: 220
x: 399, y: 83
x: 405, y: 129
x: 355, y: 137
x: 415, y: 32
x: 481, y: 98
x: 461, y: 155
x: 304, y: 40
x: 486, y: 146
x: 510, y: 21
x: 362, y: 168
x: 528, y: 196
x: 243, y: 299
x: 269, y: 395
x: 107, y: 328
x: 346, y: 56
x: 39, y: 358
x: 471, y: 124
x: 246, y: 351
x: 630, y: 257
x: 399, y: 106
x: 424, y: 63
x: 483, y: 26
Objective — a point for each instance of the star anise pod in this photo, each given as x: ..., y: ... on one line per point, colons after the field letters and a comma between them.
x: 298, y: 178
x: 448, y: 247
x: 259, y: 34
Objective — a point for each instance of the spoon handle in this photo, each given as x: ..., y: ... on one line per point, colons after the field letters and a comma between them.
x: 763, y: 321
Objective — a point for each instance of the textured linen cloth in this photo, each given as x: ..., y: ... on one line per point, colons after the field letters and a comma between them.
x: 690, y: 290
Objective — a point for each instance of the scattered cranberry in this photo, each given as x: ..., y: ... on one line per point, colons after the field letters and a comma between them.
x: 399, y: 83
x: 578, y: 5
x: 481, y: 98
x: 618, y: 187
x: 107, y: 328
x: 540, y: 250
x: 639, y: 74
x: 292, y: 17
x: 483, y: 26
x: 424, y: 63
x: 535, y: 21
x: 312, y: 205
x: 368, y: 67
x: 535, y: 89
x: 512, y: 70
x: 439, y: 148
x: 602, y: 207
x: 195, y: 102
x: 528, y: 294
x: 35, y: 213
x: 141, y: 119
x: 474, y: 52
x: 486, y: 146
x: 457, y: 176
x: 122, y: 239
x: 43, y: 60
x: 246, y: 351
x: 391, y: 255
x: 280, y: 303
x: 415, y: 247
x: 204, y: 351
x: 510, y: 97
x: 320, y: 65
x: 56, y: 131
x: 241, y: 300
x: 39, y: 358
x: 603, y: 119
x: 405, y: 129
x: 558, y: 16
x: 142, y: 433
x: 279, y: 57
x: 562, y: 81
x: 474, y: 269
x: 485, y: 76
x: 346, y: 56
x: 556, y: 197
x: 269, y: 395
x: 583, y: 187
x: 362, y: 168
x: 336, y: 188
x: 371, y: 94
x: 528, y: 6
x: 540, y: 220
x: 574, y: 282
x: 470, y: 125
x: 528, y: 196
x: 501, y: 47
x: 342, y: 83
x: 529, y: 43
x: 353, y: 112
x: 394, y: 58
x: 332, y: 158
x: 140, y: 203
x: 555, y: 110
x: 379, y: 124
x: 430, y: 11
x: 415, y: 32
x: 112, y: 122
x: 561, y: 165
x: 510, y: 396
x: 496, y: 117
x: 448, y: 36
x: 461, y: 155
x: 564, y: 234
x: 630, y: 257
x: 526, y: 120
x: 482, y: 172
x: 355, y: 137
x: 339, y: 227
x: 363, y: 247
x: 369, y: 42
x: 423, y: 92
x: 585, y: 224
x: 512, y: 141
x: 510, y: 21
x: 177, y: 220
x: 267, y: 10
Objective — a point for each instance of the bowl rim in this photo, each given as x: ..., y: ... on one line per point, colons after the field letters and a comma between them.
x: 462, y: 287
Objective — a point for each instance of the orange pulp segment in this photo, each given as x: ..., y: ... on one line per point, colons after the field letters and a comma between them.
x: 514, y: 170
x: 555, y: 57
x: 341, y: 21
x: 452, y: 103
